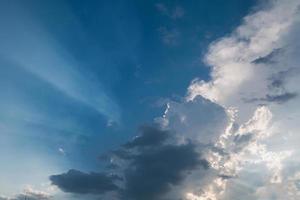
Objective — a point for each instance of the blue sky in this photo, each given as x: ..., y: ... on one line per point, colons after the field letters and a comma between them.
x: 78, y: 78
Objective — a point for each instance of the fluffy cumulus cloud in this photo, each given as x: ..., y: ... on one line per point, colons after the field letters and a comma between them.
x: 257, y: 62
x: 255, y: 70
x: 233, y: 137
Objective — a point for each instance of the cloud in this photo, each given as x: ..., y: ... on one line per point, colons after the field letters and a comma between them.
x: 243, y: 62
x: 169, y: 36
x: 234, y: 136
x: 77, y: 182
x: 278, y: 92
x: 151, y: 136
x: 152, y: 173
x: 29, y: 194
x: 176, y: 12
x: 280, y: 98
x: 254, y: 73
x: 163, y: 161
x: 150, y: 168
x: 270, y: 58
x: 46, y: 90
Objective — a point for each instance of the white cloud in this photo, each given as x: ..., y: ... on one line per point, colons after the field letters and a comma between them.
x: 199, y: 120
x: 235, y: 75
x: 258, y: 64
x: 30, y: 193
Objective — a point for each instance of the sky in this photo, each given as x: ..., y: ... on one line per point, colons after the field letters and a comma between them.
x: 149, y: 100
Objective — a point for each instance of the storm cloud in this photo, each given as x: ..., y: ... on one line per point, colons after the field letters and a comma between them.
x: 148, y: 167
x: 151, y: 173
x: 75, y: 181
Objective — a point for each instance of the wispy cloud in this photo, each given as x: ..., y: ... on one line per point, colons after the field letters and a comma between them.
x: 169, y: 36
x: 176, y: 12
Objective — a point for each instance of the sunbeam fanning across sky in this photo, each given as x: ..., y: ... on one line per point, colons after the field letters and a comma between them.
x: 26, y: 44
x: 149, y: 100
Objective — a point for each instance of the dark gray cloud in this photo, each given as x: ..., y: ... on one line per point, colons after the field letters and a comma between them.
x: 152, y: 172
x: 277, y: 90
x: 280, y: 98
x: 270, y: 58
x: 150, y: 136
x: 226, y: 177
x: 278, y: 79
x: 75, y: 181
x: 243, y: 138
x: 149, y: 166
x: 240, y: 141
x: 279, y: 93
x: 275, y: 98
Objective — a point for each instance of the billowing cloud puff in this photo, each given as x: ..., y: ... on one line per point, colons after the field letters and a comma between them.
x: 256, y: 62
x: 256, y: 70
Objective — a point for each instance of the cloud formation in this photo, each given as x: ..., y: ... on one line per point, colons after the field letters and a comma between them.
x: 152, y: 165
x: 243, y: 63
x: 234, y: 136
x: 255, y: 70
x: 152, y: 173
